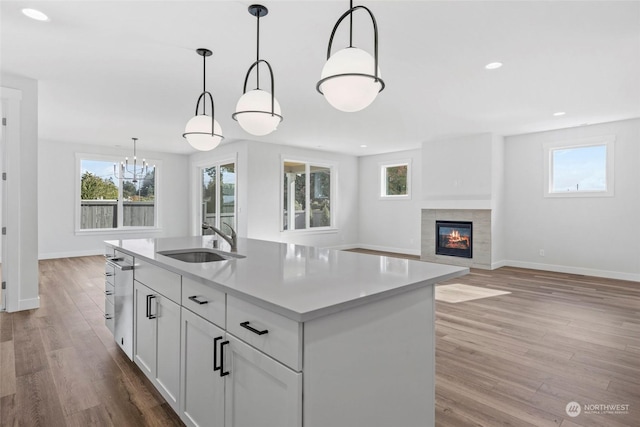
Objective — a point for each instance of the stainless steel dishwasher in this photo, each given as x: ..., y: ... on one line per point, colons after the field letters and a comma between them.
x: 123, y: 265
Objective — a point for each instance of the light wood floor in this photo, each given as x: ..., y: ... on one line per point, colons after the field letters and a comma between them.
x: 509, y: 360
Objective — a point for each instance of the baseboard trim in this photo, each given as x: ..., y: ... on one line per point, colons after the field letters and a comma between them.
x: 56, y: 255
x: 498, y: 264
x: 574, y: 270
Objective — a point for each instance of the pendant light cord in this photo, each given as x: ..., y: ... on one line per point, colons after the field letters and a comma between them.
x: 258, y: 50
x: 204, y: 82
x: 351, y: 23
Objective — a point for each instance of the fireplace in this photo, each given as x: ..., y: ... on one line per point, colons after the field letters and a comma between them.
x: 454, y: 238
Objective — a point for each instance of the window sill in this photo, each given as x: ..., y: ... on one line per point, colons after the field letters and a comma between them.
x: 395, y: 197
x: 323, y: 230
x: 128, y: 230
x: 574, y: 194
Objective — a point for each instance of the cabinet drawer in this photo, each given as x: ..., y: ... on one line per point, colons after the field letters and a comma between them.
x: 109, y: 292
x: 109, y: 315
x: 204, y: 300
x: 160, y: 280
x: 109, y: 273
x: 126, y: 258
x: 283, y: 339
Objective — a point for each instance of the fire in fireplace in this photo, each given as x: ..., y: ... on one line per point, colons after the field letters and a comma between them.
x: 454, y: 238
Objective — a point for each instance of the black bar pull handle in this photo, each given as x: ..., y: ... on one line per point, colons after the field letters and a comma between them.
x: 254, y: 330
x: 108, y: 292
x: 149, y: 298
x: 195, y: 299
x: 147, y: 314
x: 108, y: 316
x: 216, y: 367
x: 108, y: 274
x: 223, y: 373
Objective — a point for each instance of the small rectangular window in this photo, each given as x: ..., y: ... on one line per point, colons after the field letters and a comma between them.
x: 579, y: 168
x: 395, y: 180
x: 307, y: 195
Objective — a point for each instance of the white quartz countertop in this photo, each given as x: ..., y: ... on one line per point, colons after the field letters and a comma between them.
x: 299, y: 282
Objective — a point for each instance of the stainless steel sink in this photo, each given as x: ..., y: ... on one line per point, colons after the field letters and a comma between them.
x: 200, y: 255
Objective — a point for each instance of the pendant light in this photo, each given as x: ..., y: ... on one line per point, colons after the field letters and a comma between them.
x: 351, y: 78
x: 258, y: 111
x: 203, y: 132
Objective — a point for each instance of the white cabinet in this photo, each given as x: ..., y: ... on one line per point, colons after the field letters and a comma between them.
x: 227, y: 383
x: 202, y: 387
x: 157, y: 341
x: 260, y: 391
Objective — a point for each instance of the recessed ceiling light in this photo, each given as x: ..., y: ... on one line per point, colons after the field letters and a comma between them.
x: 559, y: 113
x: 35, y: 14
x: 493, y: 65
x: 363, y: 146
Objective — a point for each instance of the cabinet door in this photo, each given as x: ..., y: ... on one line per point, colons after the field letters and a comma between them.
x: 259, y: 390
x: 167, y: 375
x: 202, y: 387
x: 145, y: 331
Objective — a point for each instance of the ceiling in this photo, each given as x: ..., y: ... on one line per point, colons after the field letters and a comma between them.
x: 112, y: 70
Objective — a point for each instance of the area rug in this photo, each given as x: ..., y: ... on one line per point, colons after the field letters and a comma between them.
x: 461, y: 293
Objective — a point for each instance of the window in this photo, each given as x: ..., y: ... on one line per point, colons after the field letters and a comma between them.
x: 395, y: 180
x: 579, y: 168
x: 219, y: 195
x: 108, y: 201
x: 307, y: 192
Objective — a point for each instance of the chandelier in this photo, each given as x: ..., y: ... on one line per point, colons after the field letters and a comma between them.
x: 132, y: 172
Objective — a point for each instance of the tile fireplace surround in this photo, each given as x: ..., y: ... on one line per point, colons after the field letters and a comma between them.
x: 481, y: 219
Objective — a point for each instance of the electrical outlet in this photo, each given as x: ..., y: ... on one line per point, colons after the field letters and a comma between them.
x: 541, y: 252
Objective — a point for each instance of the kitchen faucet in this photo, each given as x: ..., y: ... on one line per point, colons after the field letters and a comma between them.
x: 232, y: 240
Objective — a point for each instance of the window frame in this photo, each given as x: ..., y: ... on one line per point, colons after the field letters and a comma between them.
x: 309, y: 162
x: 199, y: 167
x: 382, y: 176
x: 608, y: 141
x: 120, y: 228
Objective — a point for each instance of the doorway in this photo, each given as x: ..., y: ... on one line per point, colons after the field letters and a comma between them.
x: 218, y: 197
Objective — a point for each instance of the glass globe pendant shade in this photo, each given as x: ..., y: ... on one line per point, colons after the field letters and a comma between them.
x: 253, y: 112
x: 198, y: 133
x: 350, y: 92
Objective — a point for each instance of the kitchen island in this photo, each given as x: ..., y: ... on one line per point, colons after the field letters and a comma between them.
x: 286, y: 335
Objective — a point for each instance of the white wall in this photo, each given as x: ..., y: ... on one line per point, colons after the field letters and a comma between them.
x: 389, y: 225
x: 593, y: 236
x: 259, y: 186
x: 21, y: 264
x: 57, y: 199
x: 498, y: 237
x: 458, y: 169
